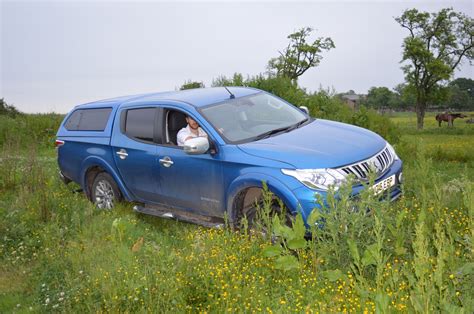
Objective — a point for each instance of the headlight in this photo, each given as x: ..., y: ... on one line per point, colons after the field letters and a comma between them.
x: 320, y: 179
x: 392, y: 151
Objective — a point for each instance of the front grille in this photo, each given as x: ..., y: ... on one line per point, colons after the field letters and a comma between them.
x: 378, y: 163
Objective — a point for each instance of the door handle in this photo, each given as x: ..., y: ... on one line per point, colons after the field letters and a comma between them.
x: 122, y: 153
x: 166, y: 162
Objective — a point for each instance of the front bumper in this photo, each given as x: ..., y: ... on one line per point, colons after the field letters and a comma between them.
x: 307, y: 198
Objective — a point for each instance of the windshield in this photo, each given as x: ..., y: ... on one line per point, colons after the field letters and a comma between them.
x: 252, y: 117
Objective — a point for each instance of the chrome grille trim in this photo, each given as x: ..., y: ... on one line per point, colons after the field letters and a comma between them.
x: 380, y: 163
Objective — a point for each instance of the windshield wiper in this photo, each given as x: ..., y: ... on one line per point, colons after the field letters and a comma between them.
x: 296, y: 125
x: 269, y: 133
x: 283, y: 129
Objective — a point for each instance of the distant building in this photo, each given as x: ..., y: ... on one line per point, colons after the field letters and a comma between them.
x: 351, y: 99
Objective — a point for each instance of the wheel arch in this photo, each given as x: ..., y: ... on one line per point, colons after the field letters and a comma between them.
x: 92, y: 166
x: 255, y: 180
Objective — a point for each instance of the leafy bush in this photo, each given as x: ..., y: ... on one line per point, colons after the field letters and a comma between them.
x: 370, y: 119
x: 191, y: 84
x: 8, y: 110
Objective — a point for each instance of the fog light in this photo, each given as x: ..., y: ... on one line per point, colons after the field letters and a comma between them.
x: 400, y: 177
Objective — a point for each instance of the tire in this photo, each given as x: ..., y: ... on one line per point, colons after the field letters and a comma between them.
x: 247, y: 207
x: 105, y: 192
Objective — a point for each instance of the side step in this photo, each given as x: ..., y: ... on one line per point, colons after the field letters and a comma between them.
x: 180, y: 215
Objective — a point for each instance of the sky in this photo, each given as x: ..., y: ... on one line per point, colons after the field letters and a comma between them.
x: 58, y: 54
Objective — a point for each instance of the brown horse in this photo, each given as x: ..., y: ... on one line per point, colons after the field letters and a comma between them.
x: 449, y: 117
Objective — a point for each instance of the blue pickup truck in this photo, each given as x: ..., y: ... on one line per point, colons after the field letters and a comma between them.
x: 127, y: 148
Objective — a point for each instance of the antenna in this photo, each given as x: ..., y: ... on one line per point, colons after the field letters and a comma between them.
x: 232, y: 96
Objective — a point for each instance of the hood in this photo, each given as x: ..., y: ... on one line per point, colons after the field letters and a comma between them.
x: 319, y: 144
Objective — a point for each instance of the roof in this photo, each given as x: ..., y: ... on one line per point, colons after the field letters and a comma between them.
x: 197, y: 97
x: 353, y: 97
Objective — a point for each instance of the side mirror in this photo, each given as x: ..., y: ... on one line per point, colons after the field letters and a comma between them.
x: 195, y: 146
x: 213, y: 147
x: 304, y: 109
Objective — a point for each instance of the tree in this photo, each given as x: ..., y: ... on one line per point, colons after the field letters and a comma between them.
x: 406, y: 95
x: 464, y: 84
x: 458, y: 99
x: 236, y: 80
x: 190, y: 84
x: 380, y: 98
x: 8, y: 110
x: 299, y: 55
x: 461, y: 94
x: 434, y: 48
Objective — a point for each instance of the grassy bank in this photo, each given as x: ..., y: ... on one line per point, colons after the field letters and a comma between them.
x: 60, y: 254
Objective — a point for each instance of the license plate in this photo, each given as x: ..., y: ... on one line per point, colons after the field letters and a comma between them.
x: 383, y: 185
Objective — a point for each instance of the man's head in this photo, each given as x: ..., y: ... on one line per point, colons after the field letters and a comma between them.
x: 192, y: 123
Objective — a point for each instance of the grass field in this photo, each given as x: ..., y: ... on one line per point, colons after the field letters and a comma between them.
x: 451, y: 149
x: 60, y: 254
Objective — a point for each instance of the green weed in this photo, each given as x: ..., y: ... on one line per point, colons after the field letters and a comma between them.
x: 60, y: 254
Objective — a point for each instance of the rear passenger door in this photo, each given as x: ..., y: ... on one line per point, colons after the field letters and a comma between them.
x: 134, y: 148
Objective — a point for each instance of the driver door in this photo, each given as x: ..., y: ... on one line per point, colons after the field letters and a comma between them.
x: 189, y: 182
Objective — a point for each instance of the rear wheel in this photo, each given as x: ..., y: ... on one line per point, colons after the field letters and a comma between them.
x: 105, y: 192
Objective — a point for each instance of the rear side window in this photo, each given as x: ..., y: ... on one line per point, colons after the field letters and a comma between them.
x: 88, y: 119
x: 139, y: 123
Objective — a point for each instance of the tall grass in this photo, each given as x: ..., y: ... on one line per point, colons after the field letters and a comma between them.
x: 29, y: 130
x: 60, y: 254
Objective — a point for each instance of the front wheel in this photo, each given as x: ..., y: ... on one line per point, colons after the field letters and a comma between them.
x: 251, y: 205
x: 105, y: 192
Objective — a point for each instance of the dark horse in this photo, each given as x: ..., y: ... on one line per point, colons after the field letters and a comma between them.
x: 449, y: 117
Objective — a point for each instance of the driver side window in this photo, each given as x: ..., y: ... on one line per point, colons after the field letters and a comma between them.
x: 179, y: 129
x: 175, y: 121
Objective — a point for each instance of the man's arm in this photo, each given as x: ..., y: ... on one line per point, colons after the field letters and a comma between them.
x: 182, y: 137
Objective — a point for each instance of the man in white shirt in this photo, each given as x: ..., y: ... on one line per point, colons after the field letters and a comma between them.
x: 192, y: 130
